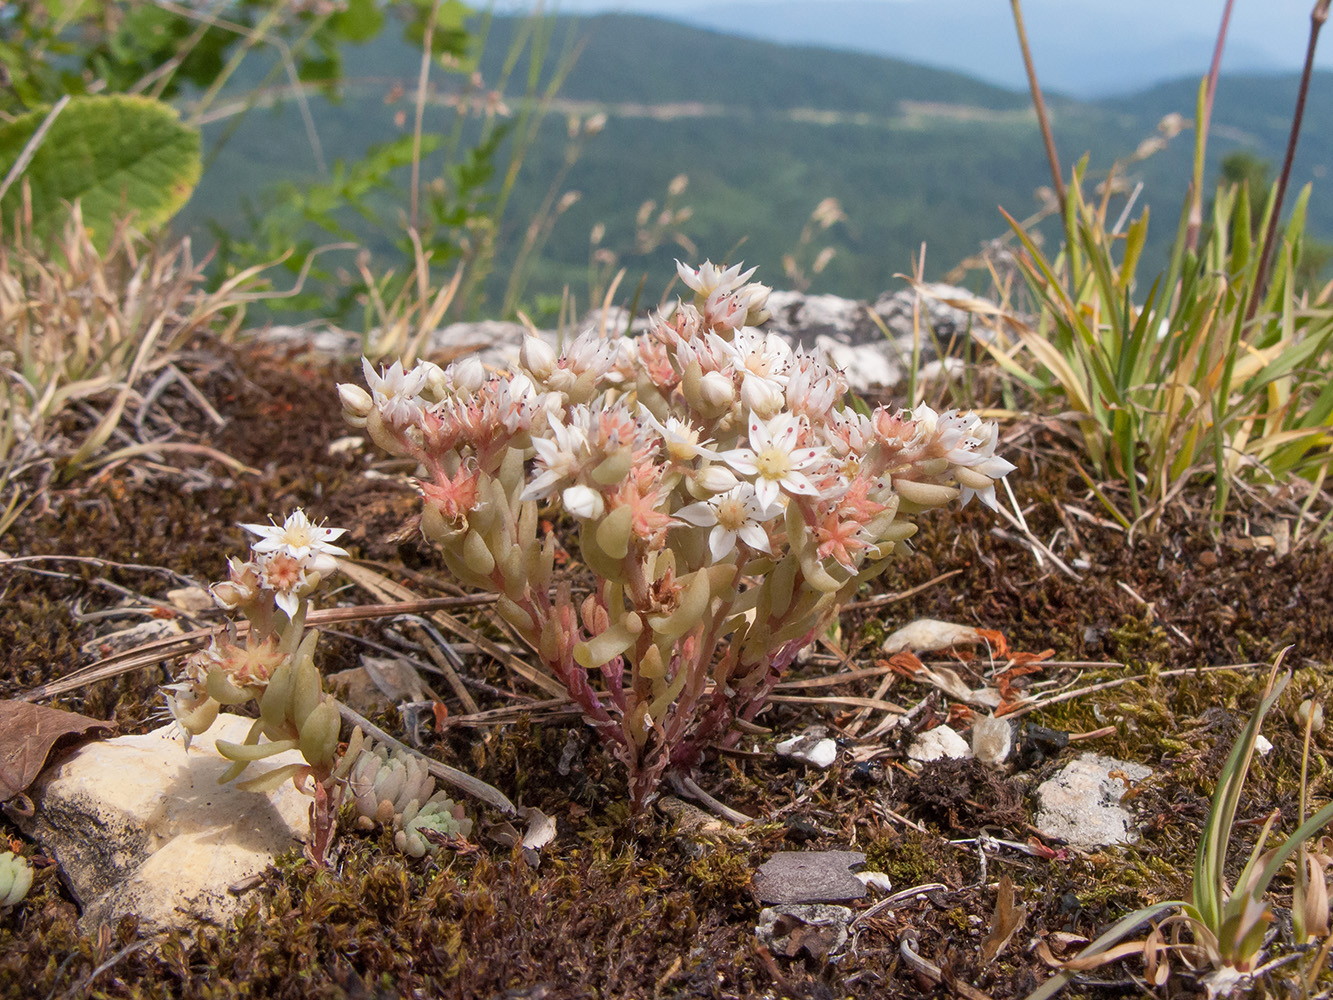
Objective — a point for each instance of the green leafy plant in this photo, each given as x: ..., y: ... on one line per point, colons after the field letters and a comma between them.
x: 1183, y: 381
x: 53, y: 48
x: 117, y: 156
x: 437, y: 194
x: 1227, y: 924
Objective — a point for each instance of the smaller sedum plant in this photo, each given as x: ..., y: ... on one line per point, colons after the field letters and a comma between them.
x: 15, y: 879
x: 725, y: 498
x: 396, y: 791
x: 273, y: 665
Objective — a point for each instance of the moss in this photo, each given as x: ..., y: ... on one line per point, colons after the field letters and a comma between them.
x: 908, y: 858
x: 720, y: 877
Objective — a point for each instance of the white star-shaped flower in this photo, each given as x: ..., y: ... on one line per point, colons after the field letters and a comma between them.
x: 735, y: 514
x: 397, y: 393
x: 710, y: 278
x: 309, y: 544
x: 775, y: 459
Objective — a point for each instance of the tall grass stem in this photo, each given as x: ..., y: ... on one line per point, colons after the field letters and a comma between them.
x: 1205, y: 120
x: 1038, y: 103
x: 1317, y: 18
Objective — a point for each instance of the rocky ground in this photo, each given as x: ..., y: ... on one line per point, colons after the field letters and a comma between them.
x: 1159, y: 643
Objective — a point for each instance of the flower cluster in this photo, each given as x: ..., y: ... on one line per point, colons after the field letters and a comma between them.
x: 274, y: 666
x: 724, y: 496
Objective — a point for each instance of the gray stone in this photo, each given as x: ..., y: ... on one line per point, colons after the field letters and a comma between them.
x: 809, y: 877
x: 1081, y: 803
x: 140, y: 825
x: 940, y: 322
x: 839, y: 331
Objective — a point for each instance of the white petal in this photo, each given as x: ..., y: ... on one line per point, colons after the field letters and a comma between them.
x: 796, y: 482
x: 721, y: 543
x: 287, y: 601
x: 701, y: 514
x: 740, y: 459
x: 754, y: 536
x: 766, y: 490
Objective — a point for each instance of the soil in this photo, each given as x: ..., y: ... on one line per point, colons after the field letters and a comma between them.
x: 630, y: 906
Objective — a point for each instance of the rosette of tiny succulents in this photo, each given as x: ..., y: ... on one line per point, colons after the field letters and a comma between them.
x: 273, y: 665
x: 396, y: 791
x: 725, y: 498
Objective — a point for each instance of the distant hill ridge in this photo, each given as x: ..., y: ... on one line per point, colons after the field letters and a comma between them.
x: 765, y: 132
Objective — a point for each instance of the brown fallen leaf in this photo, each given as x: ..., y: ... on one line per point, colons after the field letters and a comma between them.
x: 27, y: 734
x: 1007, y: 920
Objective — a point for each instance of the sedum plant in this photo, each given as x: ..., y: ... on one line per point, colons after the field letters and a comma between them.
x: 274, y: 666
x: 725, y: 499
x: 15, y: 879
x: 396, y: 790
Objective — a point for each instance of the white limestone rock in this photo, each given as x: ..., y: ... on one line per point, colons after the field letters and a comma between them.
x: 1080, y: 804
x: 140, y: 825
x: 937, y: 744
x: 992, y: 739
x: 813, y: 747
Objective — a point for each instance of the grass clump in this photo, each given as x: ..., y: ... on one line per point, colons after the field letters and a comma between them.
x: 89, y: 342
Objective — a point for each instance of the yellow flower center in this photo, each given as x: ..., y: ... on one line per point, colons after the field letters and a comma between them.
x: 773, y: 463
x: 731, y: 514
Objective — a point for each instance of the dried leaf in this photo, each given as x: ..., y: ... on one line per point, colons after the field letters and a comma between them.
x: 948, y: 681
x: 1007, y: 921
x: 541, y: 828
x: 27, y: 734
x: 1156, y: 968
x: 926, y: 635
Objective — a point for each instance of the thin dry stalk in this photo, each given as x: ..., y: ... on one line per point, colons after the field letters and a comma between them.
x: 1317, y: 18
x: 1039, y: 103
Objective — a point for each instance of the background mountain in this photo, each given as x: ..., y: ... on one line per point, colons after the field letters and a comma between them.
x: 1085, y: 48
x: 765, y: 133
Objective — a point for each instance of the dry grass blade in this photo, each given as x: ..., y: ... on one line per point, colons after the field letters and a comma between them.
x: 882, y: 599
x: 150, y: 654
x: 831, y: 701
x: 376, y: 582
x: 1064, y: 696
x: 382, y: 588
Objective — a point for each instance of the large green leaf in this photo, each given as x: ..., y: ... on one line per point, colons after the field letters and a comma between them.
x: 117, y: 155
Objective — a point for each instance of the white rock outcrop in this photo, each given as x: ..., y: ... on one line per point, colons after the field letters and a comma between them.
x: 839, y: 331
x: 140, y: 825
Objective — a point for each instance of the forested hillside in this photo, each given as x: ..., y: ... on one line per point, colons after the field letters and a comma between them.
x: 764, y: 133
